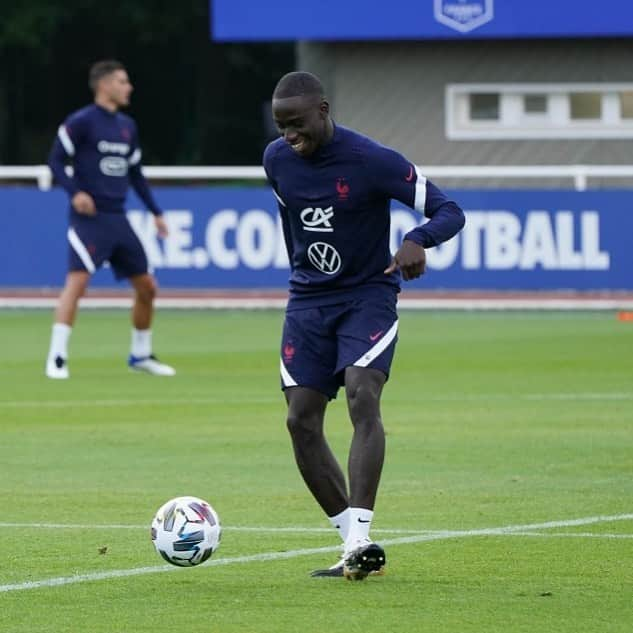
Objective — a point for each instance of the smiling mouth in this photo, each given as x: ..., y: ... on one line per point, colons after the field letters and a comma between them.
x: 299, y: 146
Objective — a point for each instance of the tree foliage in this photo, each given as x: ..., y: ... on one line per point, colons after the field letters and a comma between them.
x: 27, y: 25
x: 196, y: 101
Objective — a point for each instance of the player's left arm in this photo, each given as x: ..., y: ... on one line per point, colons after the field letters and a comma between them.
x: 402, y: 180
x: 139, y: 183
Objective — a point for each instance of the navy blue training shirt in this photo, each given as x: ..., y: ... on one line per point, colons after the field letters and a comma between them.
x: 104, y: 149
x: 335, y: 212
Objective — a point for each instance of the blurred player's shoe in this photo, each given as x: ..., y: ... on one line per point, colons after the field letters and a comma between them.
x: 57, y: 367
x: 150, y: 365
x: 365, y: 558
x: 336, y: 571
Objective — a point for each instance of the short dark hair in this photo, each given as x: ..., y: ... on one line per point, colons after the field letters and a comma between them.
x: 298, y: 84
x: 100, y: 69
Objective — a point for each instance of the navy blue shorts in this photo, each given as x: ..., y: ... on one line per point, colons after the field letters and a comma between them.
x: 105, y: 237
x: 319, y: 343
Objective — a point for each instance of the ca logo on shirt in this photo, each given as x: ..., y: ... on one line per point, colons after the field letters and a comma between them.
x: 317, y: 219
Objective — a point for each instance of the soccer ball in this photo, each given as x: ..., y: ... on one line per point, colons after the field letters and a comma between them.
x: 186, y: 531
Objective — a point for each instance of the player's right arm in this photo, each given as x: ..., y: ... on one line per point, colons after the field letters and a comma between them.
x: 268, y: 163
x: 69, y: 134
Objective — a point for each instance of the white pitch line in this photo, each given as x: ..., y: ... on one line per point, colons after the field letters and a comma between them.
x: 268, y: 556
x: 514, y: 528
x: 297, y: 529
x: 131, y: 402
x: 567, y: 523
x: 578, y: 396
x: 300, y: 530
x: 572, y: 535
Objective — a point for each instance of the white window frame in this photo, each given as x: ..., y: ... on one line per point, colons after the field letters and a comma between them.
x: 556, y: 123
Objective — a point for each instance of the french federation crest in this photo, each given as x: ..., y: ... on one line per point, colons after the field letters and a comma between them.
x: 463, y: 15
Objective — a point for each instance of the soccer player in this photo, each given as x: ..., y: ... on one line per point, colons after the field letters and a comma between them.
x: 333, y: 188
x: 102, y: 144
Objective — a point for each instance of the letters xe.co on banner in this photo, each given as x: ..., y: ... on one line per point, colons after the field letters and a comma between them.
x: 230, y: 237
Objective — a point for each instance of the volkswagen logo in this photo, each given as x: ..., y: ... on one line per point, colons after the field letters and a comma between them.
x: 324, y: 257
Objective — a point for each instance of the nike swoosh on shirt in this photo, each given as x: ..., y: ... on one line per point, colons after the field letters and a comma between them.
x: 409, y: 178
x: 373, y: 337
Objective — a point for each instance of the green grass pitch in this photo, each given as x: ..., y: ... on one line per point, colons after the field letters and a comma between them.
x: 506, y: 503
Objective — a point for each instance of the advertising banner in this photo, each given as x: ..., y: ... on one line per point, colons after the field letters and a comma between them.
x: 230, y: 237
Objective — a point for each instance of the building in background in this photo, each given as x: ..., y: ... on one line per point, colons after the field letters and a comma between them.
x: 466, y: 82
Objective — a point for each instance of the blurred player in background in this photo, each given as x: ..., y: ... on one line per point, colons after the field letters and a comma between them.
x: 102, y: 145
x: 333, y: 187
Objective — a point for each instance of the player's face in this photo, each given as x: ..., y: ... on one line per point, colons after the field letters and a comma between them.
x: 303, y: 122
x: 118, y: 88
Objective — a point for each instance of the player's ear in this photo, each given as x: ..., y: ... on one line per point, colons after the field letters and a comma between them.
x: 324, y: 108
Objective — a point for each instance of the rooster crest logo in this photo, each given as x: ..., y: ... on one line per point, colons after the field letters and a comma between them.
x: 342, y: 188
x: 289, y: 352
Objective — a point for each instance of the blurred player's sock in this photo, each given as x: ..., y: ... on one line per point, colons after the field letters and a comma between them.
x: 56, y: 362
x: 341, y: 523
x: 141, y: 346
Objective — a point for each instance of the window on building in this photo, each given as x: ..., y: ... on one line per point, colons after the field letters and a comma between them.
x: 539, y: 111
x: 585, y: 105
x: 484, y: 106
x: 626, y: 104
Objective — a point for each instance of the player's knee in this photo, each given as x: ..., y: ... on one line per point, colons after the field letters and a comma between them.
x: 78, y: 291
x: 304, y: 427
x: 76, y: 284
x: 147, y: 291
x: 363, y: 401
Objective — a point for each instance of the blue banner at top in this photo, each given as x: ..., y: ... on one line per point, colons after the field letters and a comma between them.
x: 248, y: 20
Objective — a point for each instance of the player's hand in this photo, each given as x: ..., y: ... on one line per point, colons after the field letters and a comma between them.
x: 410, y: 260
x: 83, y: 203
x: 161, y: 226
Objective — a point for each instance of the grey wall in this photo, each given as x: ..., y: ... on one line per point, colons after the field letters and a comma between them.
x: 394, y: 92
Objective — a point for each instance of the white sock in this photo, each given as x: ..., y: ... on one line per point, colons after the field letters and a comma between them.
x: 341, y: 523
x: 59, y: 340
x: 141, y: 343
x: 359, y: 523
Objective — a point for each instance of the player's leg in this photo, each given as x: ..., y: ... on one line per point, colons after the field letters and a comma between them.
x: 367, y: 339
x: 363, y: 387
x: 86, y: 251
x: 317, y: 464
x: 129, y: 261
x: 65, y: 314
x: 74, y: 288
x: 143, y: 307
x: 142, y: 357
x: 308, y: 359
